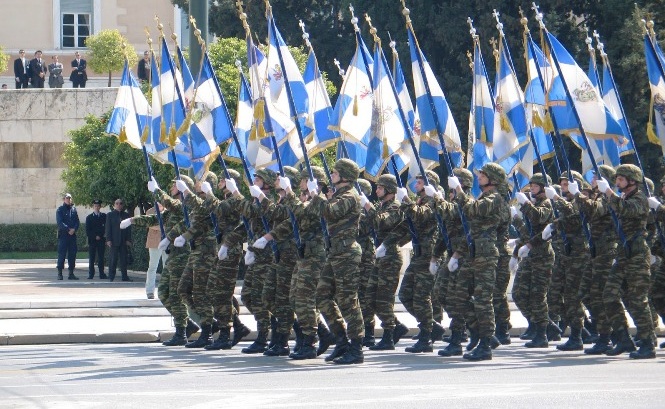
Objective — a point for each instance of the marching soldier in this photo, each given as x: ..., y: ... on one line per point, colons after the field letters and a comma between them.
x: 500, y: 297
x: 366, y: 241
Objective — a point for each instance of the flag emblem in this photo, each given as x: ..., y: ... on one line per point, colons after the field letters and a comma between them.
x: 585, y: 93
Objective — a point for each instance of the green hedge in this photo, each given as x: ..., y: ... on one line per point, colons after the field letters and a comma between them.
x: 43, y: 237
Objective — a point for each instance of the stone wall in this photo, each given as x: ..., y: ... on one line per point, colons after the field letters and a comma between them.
x: 34, y: 126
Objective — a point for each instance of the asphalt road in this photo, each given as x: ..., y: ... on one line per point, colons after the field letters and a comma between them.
x: 151, y: 376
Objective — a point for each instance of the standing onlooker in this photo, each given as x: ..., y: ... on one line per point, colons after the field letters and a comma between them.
x: 79, y: 75
x: 118, y: 240
x: 55, y: 79
x: 4, y: 86
x: 68, y: 222
x: 95, y: 228
x: 143, y: 69
x: 21, y: 70
x: 152, y: 243
x: 37, y: 70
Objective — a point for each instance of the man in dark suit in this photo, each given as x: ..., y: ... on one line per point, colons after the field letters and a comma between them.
x: 79, y: 74
x: 95, y: 228
x: 37, y: 70
x: 21, y: 69
x: 118, y: 240
x: 143, y: 70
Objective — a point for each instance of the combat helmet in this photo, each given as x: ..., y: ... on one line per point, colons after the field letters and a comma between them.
x: 188, y: 181
x: 348, y: 170
x: 649, y: 183
x: 209, y: 177
x: 432, y: 177
x: 318, y: 172
x: 235, y: 175
x: 365, y: 186
x: 388, y: 181
x: 293, y: 175
x: 631, y: 172
x: 268, y: 177
x: 538, y: 179
x: 607, y: 172
x: 495, y: 173
x: 464, y: 175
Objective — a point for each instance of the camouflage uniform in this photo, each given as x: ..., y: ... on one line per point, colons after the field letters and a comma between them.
x: 500, y: 296
x: 366, y: 267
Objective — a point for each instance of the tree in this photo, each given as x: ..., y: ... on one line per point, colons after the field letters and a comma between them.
x: 100, y: 167
x: 106, y: 53
x: 4, y: 59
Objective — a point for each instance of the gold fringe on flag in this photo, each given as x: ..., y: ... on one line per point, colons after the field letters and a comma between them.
x: 651, y: 134
x: 548, y: 126
x: 144, y: 135
x: 505, y: 123
x: 355, y: 105
x: 122, y: 136
x: 172, y: 136
x: 259, y: 130
x: 385, y: 154
x: 184, y: 128
x: 162, y: 132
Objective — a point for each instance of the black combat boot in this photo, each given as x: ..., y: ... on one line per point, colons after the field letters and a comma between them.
x: 662, y: 345
x: 624, y: 344
x: 192, y: 328
x: 590, y: 332
x: 400, y: 331
x: 647, y: 350
x: 299, y: 336
x: 540, y: 338
x: 368, y: 340
x: 307, y: 349
x: 463, y: 335
x: 341, y: 346
x: 424, y: 343
x: 483, y: 352
x: 205, y: 338
x: 215, y: 327
x: 387, y: 341
x: 222, y: 342
x: 600, y: 347
x: 273, y: 331
x: 260, y: 345
x: 454, y: 348
x: 280, y: 347
x: 502, y: 333
x: 240, y: 330
x: 473, y: 339
x: 437, y: 332
x: 574, y: 342
x: 530, y: 331
x: 59, y: 274
x: 553, y: 331
x: 326, y: 338
x: 354, y: 355
x: 178, y: 339
x: 71, y: 275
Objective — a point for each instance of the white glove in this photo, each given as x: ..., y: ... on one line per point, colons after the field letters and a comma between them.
x: 401, y: 194
x: 125, y: 223
x: 573, y: 188
x: 547, y: 232
x: 521, y: 198
x: 653, y: 260
x: 164, y: 244
x: 515, y: 212
x: 363, y: 200
x: 453, y: 264
x: 523, y: 251
x: 380, y: 251
x: 152, y: 184
x: 453, y: 182
x: 438, y: 195
x: 260, y: 243
x: 182, y: 186
x: 313, y: 186
x: 550, y: 192
x: 179, y: 241
x: 653, y: 203
x: 433, y: 267
x: 284, y: 182
x: 223, y: 252
x: 206, y: 188
x: 249, y: 258
x: 231, y: 185
x: 430, y: 190
x: 512, y: 264
x: 603, y: 185
x: 255, y: 191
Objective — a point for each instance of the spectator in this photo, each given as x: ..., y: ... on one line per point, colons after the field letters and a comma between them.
x: 37, y: 70
x: 118, y: 240
x: 151, y: 243
x: 55, y: 79
x: 95, y: 229
x: 68, y: 223
x: 21, y: 70
x: 4, y: 86
x: 79, y: 75
x: 143, y: 71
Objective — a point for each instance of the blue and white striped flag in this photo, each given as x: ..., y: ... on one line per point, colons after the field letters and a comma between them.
x: 320, y: 108
x: 655, y: 63
x: 243, y: 126
x: 131, y: 111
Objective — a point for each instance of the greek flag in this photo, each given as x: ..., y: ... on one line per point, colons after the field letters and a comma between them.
x: 187, y: 80
x: 655, y: 63
x: 243, y: 125
x: 131, y: 111
x: 320, y: 110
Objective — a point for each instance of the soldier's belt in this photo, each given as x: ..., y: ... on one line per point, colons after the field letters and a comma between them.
x: 336, y: 243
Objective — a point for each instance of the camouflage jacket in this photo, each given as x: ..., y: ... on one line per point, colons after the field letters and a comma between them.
x: 227, y: 210
x: 342, y: 212
x: 308, y: 218
x: 277, y: 213
x: 386, y: 217
x: 539, y: 214
x: 632, y: 209
x: 601, y: 225
x: 423, y: 214
x: 483, y: 215
x: 569, y: 219
x: 200, y: 222
x: 450, y: 214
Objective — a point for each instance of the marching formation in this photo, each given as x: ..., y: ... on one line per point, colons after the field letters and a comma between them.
x: 324, y: 260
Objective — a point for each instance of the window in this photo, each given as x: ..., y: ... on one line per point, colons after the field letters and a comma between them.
x: 75, y: 29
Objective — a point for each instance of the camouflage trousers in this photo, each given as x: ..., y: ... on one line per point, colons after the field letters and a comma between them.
x: 167, y: 289
x: 221, y: 285
x: 276, y: 289
x: 500, y: 296
x: 601, y: 265
x: 252, y: 291
x: 573, y: 267
x: 337, y: 290
x: 657, y: 291
x: 478, y: 278
x: 633, y: 275
x: 194, y: 281
x: 304, y: 281
x: 415, y: 291
x: 555, y: 301
x: 443, y: 287
x: 533, y: 284
x: 382, y: 287
x: 458, y: 291
x: 365, y: 270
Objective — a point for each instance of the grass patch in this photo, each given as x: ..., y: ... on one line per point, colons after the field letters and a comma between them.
x: 25, y: 255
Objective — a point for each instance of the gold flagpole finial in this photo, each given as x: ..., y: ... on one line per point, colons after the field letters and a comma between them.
x: 372, y: 30
x: 268, y: 8
x: 354, y: 19
x: 406, y: 13
x: 495, y: 50
x: 340, y: 71
x: 393, y: 45
x: 539, y: 15
x: 305, y: 34
x: 242, y: 16
x: 470, y: 57
x: 600, y: 46
x: 472, y: 29
x: 589, y: 41
x: 160, y: 27
x: 499, y: 24
x: 524, y: 20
